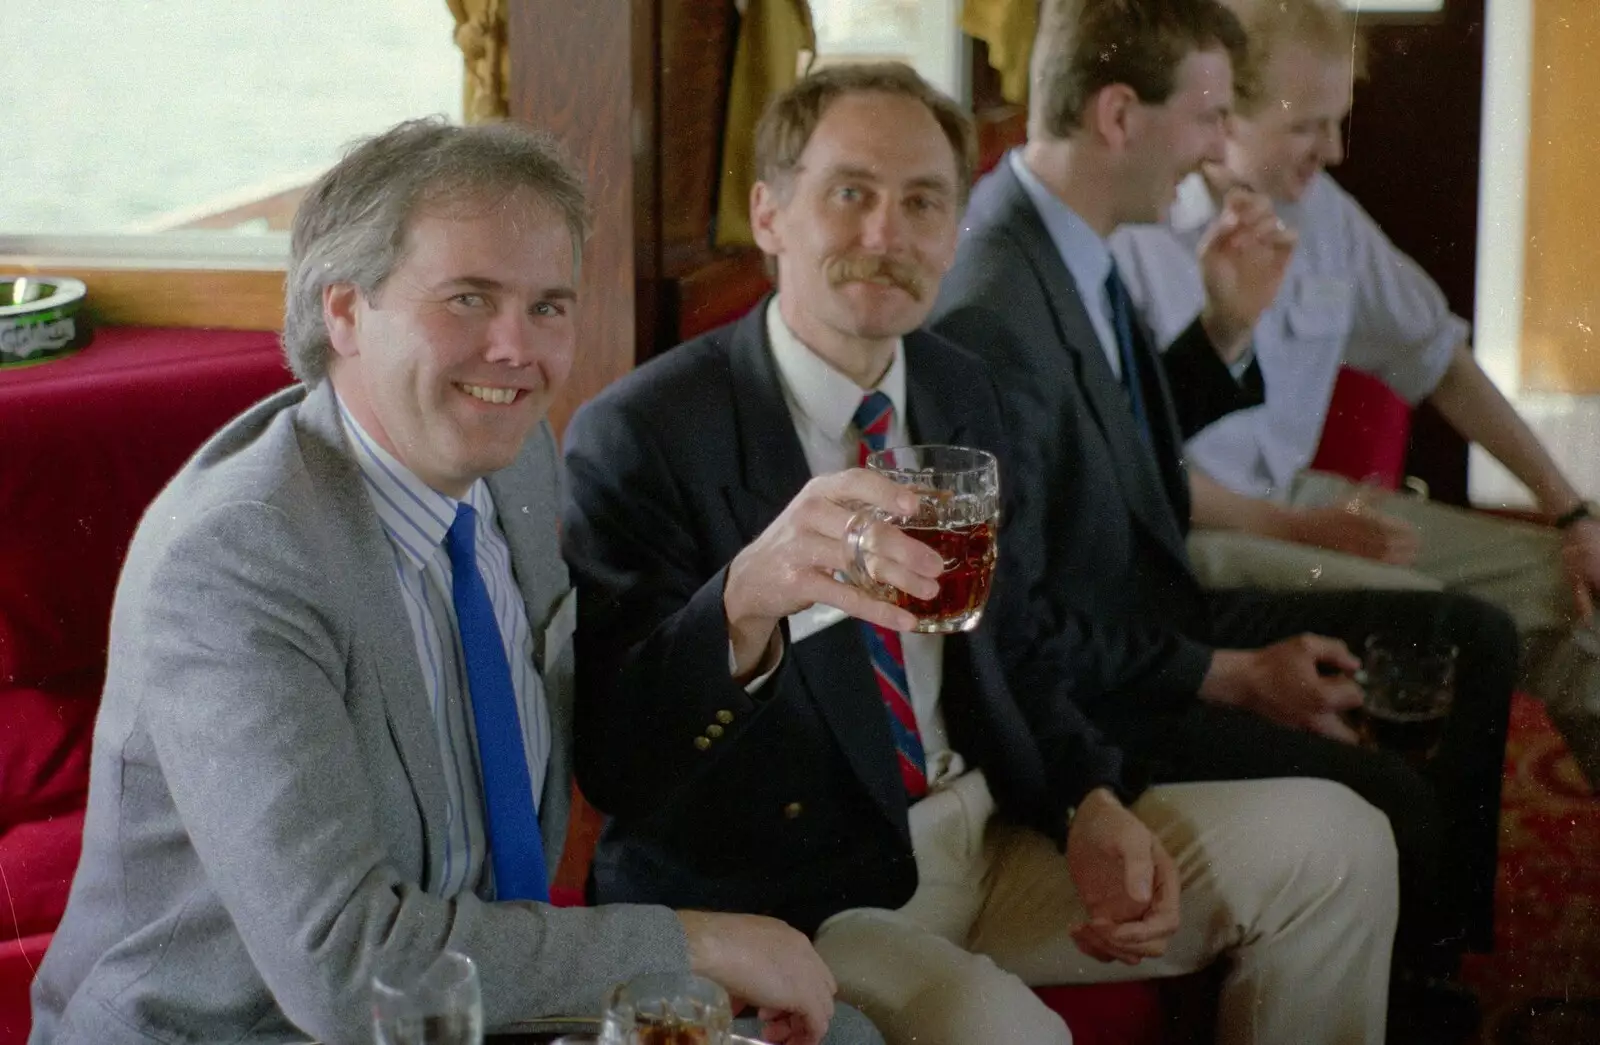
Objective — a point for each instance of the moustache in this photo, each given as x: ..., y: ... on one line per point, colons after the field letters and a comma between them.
x: 868, y: 268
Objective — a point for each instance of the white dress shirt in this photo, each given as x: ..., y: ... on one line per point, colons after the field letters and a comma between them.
x: 416, y: 518
x: 822, y: 404
x: 1349, y: 297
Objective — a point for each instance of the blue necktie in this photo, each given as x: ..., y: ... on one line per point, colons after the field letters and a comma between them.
x: 516, y: 849
x: 1122, y: 324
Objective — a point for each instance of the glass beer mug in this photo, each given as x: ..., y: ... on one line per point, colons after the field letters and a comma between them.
x: 958, y: 515
x: 666, y: 1009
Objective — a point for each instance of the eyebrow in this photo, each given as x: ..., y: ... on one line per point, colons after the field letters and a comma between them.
x: 562, y: 291
x: 927, y: 181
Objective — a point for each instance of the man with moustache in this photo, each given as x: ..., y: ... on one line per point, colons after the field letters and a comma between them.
x: 935, y: 809
x: 1127, y: 99
x: 335, y: 732
x: 1353, y: 299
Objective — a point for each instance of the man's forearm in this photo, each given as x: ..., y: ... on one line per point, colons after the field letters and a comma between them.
x: 1215, y: 507
x: 1477, y: 409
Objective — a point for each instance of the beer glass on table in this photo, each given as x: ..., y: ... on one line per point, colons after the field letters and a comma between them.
x: 439, y: 1005
x: 958, y: 515
x: 666, y: 1009
x: 1407, y: 695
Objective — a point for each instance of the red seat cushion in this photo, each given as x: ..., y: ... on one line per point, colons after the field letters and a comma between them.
x: 100, y: 433
x: 38, y: 859
x: 1364, y: 436
x: 18, y: 960
x: 1129, y: 1013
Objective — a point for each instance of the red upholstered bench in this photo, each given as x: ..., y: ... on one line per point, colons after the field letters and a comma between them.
x: 1365, y: 433
x: 88, y: 441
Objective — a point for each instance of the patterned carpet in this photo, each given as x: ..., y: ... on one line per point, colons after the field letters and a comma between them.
x: 1541, y: 986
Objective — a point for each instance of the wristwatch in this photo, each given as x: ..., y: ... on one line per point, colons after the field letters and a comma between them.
x: 1581, y: 510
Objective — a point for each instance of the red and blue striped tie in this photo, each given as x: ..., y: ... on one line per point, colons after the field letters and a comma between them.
x: 888, y: 656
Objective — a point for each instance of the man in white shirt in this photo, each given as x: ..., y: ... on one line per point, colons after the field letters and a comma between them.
x: 935, y: 809
x: 1351, y: 298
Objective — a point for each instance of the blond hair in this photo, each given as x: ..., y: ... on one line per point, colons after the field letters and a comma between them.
x: 1322, y: 26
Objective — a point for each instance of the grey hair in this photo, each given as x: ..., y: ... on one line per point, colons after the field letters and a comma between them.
x: 353, y: 224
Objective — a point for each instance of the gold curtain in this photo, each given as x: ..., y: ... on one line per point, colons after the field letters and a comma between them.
x: 766, y: 62
x: 481, y: 36
x: 1007, y: 26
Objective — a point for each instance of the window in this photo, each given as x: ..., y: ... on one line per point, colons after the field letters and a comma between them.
x: 925, y: 34
x: 211, y: 115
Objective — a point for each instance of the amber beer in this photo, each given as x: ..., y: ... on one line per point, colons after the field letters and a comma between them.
x: 969, y: 555
x: 1408, y: 693
x: 957, y: 516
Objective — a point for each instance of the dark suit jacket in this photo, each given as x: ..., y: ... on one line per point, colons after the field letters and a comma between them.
x: 788, y: 801
x: 1112, y: 523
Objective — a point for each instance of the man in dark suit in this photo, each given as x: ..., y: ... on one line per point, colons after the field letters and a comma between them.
x: 1205, y: 685
x: 907, y: 798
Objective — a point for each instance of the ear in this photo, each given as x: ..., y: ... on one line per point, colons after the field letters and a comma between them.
x: 764, y: 208
x: 1112, y: 113
x: 341, y: 304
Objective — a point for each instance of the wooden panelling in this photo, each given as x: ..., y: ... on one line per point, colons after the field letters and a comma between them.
x: 573, y: 72
x: 1561, y: 303
x: 696, y: 53
x: 719, y: 292
x: 226, y: 299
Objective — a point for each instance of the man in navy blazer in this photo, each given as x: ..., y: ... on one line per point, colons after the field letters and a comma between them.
x: 745, y: 735
x: 1205, y: 685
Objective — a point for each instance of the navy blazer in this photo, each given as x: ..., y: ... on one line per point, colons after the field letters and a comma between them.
x: 789, y: 801
x: 1111, y: 526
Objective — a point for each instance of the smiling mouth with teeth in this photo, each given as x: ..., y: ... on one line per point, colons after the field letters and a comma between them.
x: 499, y: 396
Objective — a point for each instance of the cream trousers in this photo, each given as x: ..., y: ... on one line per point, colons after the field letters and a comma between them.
x: 1292, y: 880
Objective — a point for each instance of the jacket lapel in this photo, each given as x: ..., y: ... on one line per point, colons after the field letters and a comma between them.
x: 375, y: 596
x: 834, y: 662
x: 772, y: 466
x: 1135, y: 463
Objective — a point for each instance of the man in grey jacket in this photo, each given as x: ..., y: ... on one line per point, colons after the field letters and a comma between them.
x: 335, y: 730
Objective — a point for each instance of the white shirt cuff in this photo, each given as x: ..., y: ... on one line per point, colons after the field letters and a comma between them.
x: 772, y: 657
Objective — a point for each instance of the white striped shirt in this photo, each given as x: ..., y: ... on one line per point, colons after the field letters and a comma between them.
x: 416, y: 518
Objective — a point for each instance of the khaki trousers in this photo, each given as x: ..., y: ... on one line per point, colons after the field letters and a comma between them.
x: 1293, y: 880
x: 1513, y: 565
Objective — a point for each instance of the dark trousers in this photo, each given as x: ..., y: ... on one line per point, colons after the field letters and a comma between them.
x: 1445, y: 819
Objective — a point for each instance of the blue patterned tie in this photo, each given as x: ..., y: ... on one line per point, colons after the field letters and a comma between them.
x: 516, y: 849
x: 1122, y: 323
x: 888, y: 656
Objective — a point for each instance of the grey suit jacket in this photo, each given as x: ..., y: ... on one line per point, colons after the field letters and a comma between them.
x: 266, y: 800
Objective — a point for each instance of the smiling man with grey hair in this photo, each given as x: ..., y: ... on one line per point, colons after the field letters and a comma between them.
x: 335, y: 730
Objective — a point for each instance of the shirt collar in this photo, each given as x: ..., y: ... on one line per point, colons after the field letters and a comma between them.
x: 822, y: 394
x: 1086, y: 255
x: 414, y: 514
